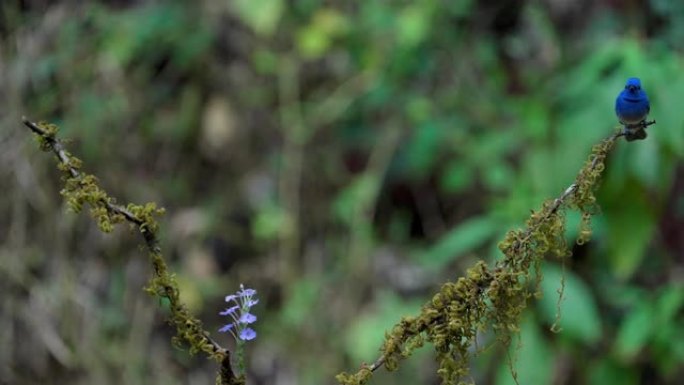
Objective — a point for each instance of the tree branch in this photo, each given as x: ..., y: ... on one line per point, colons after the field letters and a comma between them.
x: 188, y: 327
x: 484, y: 289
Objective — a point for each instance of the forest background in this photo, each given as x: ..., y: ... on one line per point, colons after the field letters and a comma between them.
x: 344, y: 159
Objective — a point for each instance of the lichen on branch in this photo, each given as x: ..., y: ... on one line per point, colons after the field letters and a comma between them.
x: 486, y: 298
x: 81, y: 189
x: 492, y: 298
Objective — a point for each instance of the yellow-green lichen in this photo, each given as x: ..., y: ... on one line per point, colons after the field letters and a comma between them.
x: 495, y: 297
x: 82, y: 189
x: 44, y: 141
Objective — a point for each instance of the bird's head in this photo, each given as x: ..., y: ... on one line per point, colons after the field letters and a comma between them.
x: 633, y: 85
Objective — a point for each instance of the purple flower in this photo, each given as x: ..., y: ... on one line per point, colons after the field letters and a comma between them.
x: 226, y: 328
x: 246, y: 292
x: 251, y: 302
x: 241, y: 317
x: 230, y: 310
x: 230, y: 297
x: 247, y: 334
x: 247, y: 319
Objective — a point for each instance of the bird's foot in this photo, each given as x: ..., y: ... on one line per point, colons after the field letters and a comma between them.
x: 643, y: 124
x: 636, y: 131
x: 638, y: 126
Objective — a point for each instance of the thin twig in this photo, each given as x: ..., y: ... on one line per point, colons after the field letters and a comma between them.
x: 59, y: 150
x: 378, y: 363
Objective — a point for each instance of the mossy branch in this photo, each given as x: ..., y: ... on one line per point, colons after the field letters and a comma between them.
x: 484, y: 299
x: 80, y: 189
x: 493, y: 298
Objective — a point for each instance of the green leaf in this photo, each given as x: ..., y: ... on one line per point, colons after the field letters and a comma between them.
x: 413, y: 25
x: 669, y: 129
x: 631, y: 224
x: 533, y: 362
x: 424, y: 148
x: 535, y: 118
x: 419, y: 109
x: 645, y: 162
x: 303, y: 296
x: 366, y: 335
x: 457, y: 176
x: 465, y: 237
x: 261, y: 15
x: 269, y: 222
x: 670, y: 302
x: 312, y: 43
x: 356, y: 193
x: 314, y: 39
x: 498, y: 176
x: 635, y: 331
x: 668, y: 341
x: 669, y: 348
x: 605, y: 372
x: 579, y: 313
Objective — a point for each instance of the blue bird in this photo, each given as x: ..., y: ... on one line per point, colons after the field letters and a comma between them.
x: 632, y: 108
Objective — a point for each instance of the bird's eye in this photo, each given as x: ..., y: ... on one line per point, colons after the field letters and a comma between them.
x: 638, y: 87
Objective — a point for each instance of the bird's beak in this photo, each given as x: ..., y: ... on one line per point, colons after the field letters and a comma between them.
x: 631, y: 88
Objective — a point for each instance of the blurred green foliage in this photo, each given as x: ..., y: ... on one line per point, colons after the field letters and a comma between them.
x: 328, y: 154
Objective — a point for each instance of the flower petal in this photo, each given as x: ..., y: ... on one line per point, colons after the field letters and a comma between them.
x: 251, y: 302
x: 231, y: 297
x: 247, y: 334
x: 247, y: 318
x: 226, y: 328
x: 246, y: 292
x: 230, y: 310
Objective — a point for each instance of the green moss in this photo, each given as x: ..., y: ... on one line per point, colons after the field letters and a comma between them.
x: 484, y: 298
x: 495, y: 297
x: 44, y: 141
x: 81, y: 189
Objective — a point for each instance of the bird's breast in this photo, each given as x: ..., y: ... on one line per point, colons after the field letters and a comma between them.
x: 634, y: 100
